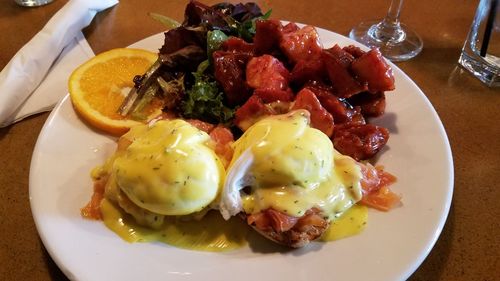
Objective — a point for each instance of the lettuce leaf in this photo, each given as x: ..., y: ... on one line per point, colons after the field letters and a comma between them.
x: 168, y: 22
x: 214, y: 41
x: 204, y: 101
x: 246, y: 29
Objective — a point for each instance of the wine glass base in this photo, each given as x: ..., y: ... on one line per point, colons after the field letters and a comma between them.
x: 407, y: 46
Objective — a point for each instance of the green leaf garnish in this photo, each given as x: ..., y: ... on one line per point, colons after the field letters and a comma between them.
x: 214, y: 41
x: 166, y: 21
x: 204, y: 100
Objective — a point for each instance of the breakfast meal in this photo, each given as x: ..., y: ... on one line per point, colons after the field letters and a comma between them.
x: 239, y: 122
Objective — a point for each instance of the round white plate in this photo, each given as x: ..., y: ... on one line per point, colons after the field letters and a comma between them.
x: 393, y: 245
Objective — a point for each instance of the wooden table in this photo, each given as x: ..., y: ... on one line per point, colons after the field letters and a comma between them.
x: 469, y: 246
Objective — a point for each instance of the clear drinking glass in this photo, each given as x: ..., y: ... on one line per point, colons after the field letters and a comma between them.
x: 481, y: 52
x: 395, y: 40
x: 32, y: 3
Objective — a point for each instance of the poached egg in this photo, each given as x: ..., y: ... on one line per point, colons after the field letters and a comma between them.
x: 283, y: 164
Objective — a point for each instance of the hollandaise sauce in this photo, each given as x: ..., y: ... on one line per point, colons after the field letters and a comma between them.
x: 352, y: 222
x: 334, y: 196
x: 212, y: 233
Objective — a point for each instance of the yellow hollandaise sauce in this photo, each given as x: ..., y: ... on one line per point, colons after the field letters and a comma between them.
x: 352, y: 222
x: 337, y: 194
x: 212, y: 233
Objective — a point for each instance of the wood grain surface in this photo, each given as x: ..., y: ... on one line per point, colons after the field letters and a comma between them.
x: 469, y: 246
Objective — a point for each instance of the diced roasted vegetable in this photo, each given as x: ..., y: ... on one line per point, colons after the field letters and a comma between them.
x: 274, y: 95
x: 361, y: 142
x: 290, y: 27
x: 267, y: 36
x: 372, y: 69
x: 238, y: 45
x: 372, y: 105
x: 320, y: 118
x: 308, y: 70
x: 252, y: 111
x: 356, y: 52
x: 341, y: 56
x: 229, y: 71
x: 302, y: 44
x: 267, y: 72
x: 342, y: 113
x: 343, y: 82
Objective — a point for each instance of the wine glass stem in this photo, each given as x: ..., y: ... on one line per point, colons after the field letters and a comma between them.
x: 393, y: 13
x: 389, y: 30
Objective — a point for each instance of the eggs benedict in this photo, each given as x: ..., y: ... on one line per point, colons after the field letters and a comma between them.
x: 287, y: 181
x: 163, y: 169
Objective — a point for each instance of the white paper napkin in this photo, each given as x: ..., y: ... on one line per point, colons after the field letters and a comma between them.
x: 37, y: 76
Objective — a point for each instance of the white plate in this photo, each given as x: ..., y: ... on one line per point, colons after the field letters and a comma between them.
x: 393, y: 245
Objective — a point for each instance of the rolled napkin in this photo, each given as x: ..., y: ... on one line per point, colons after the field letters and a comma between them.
x: 22, y: 92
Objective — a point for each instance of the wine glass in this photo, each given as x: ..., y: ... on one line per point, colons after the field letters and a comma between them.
x: 395, y: 40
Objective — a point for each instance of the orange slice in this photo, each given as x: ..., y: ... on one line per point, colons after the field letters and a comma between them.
x: 98, y: 87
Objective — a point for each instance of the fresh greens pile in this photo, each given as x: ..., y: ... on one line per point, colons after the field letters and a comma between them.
x: 204, y: 100
x: 182, y: 78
